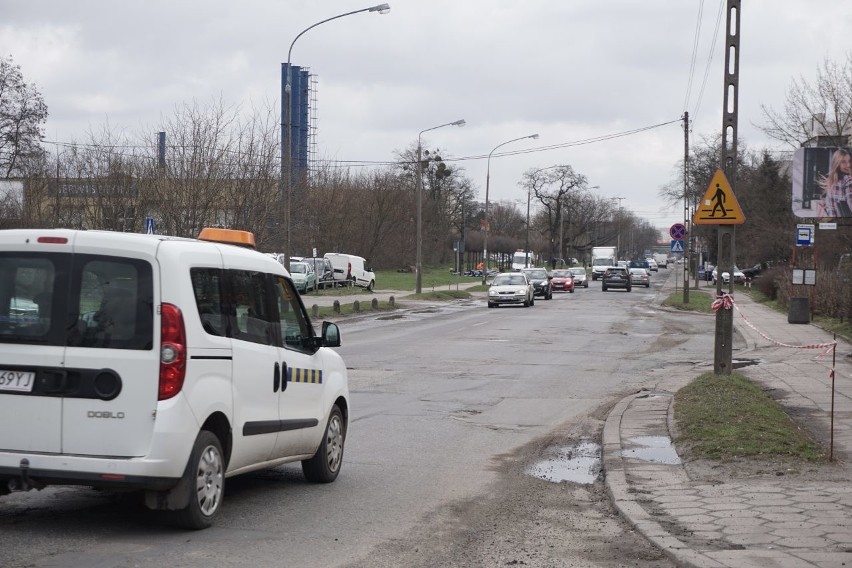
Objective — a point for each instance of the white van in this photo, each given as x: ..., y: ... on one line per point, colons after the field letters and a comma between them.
x: 161, y: 364
x: 351, y: 268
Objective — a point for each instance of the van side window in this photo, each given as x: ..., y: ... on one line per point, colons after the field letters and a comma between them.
x: 296, y: 329
x: 249, y: 305
x: 26, y: 295
x: 207, y: 285
x: 115, y: 305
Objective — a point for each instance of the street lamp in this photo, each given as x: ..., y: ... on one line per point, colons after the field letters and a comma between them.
x: 285, y: 119
x: 487, y: 183
x: 418, y: 268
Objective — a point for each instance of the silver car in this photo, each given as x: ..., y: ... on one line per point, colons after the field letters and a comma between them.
x: 580, y: 276
x: 511, y: 288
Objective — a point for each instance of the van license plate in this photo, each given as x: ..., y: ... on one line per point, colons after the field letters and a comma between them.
x: 21, y: 381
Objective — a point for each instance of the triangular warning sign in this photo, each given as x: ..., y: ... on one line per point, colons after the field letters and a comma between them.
x: 719, y: 205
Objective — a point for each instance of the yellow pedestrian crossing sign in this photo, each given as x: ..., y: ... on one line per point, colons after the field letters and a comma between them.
x: 719, y: 205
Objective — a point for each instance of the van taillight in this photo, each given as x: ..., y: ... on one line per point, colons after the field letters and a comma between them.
x: 53, y: 240
x: 172, y: 351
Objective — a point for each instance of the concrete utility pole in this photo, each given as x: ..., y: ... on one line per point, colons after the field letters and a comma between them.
x: 726, y: 246
x: 688, y: 236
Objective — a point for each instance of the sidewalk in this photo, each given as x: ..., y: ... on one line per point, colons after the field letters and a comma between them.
x: 757, y: 521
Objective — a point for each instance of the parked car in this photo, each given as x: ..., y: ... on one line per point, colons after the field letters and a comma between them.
x: 324, y: 271
x: 739, y: 277
x: 640, y: 277
x: 351, y: 269
x: 616, y: 277
x: 540, y: 281
x: 752, y: 272
x: 304, y: 277
x: 580, y: 276
x: 705, y: 272
x: 562, y: 280
x: 511, y: 288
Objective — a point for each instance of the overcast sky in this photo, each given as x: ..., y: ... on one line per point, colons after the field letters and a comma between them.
x: 568, y: 70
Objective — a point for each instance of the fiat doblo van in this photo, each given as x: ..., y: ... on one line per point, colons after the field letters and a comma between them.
x: 160, y: 364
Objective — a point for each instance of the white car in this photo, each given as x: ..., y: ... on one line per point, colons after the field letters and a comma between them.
x: 652, y: 265
x: 511, y: 288
x: 739, y: 277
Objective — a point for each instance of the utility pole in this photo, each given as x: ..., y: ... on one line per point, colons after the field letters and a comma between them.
x: 686, y: 223
x: 726, y: 246
x: 618, y: 229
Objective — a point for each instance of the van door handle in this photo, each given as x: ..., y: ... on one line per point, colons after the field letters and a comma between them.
x: 55, y: 382
x: 283, y: 377
x: 276, y: 377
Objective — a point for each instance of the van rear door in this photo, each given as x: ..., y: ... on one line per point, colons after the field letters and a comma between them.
x: 33, y: 281
x: 111, y: 359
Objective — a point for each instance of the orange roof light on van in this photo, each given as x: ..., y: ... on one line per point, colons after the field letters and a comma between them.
x: 228, y: 236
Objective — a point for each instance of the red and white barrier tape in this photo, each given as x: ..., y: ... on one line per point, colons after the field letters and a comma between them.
x: 726, y: 301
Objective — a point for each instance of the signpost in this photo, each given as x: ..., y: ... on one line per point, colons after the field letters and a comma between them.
x: 719, y: 207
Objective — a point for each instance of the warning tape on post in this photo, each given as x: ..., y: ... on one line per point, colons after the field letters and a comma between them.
x: 726, y: 301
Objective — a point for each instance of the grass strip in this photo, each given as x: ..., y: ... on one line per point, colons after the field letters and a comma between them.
x: 724, y: 417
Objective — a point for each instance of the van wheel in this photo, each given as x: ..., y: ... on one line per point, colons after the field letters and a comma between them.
x: 371, y: 285
x: 205, y: 474
x: 325, y: 465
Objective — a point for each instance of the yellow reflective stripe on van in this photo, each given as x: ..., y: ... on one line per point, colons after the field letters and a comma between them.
x: 298, y: 375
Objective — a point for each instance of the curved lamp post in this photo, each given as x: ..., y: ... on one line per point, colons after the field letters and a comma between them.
x: 418, y: 268
x: 487, y: 183
x: 287, y: 185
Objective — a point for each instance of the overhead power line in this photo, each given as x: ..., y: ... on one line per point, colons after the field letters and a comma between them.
x: 695, y: 42
x: 709, y: 57
x: 126, y: 150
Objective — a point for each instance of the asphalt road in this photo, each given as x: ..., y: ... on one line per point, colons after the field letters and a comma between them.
x: 450, y: 407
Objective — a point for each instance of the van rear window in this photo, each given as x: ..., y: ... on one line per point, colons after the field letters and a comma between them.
x: 76, y: 300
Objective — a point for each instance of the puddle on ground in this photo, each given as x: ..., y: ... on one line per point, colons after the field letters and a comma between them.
x: 658, y: 449
x: 580, y: 463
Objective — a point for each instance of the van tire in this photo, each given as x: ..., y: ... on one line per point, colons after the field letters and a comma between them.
x: 371, y: 285
x: 205, y: 474
x: 325, y: 465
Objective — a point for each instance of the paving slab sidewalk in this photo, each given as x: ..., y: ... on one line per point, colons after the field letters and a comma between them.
x: 766, y: 521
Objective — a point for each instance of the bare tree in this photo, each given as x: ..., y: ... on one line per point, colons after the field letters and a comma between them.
x: 822, y: 108
x: 23, y: 113
x: 551, y: 187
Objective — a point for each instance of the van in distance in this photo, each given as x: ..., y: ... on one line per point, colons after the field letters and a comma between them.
x: 349, y: 268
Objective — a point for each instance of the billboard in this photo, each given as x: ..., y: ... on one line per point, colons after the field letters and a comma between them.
x: 822, y: 183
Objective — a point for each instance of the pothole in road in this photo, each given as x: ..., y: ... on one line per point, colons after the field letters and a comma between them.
x: 657, y: 449
x: 580, y: 463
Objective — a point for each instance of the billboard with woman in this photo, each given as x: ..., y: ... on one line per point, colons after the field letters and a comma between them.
x: 822, y: 183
